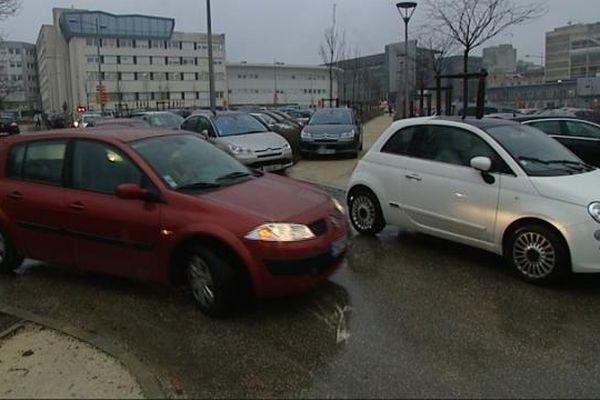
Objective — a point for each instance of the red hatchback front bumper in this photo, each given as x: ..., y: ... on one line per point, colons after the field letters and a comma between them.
x: 291, y: 268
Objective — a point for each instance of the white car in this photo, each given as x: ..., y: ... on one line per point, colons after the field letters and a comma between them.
x: 491, y: 184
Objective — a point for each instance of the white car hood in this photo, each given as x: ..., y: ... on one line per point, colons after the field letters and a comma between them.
x: 256, y: 141
x: 580, y: 189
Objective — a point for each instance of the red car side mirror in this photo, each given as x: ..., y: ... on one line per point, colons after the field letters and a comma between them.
x: 131, y: 191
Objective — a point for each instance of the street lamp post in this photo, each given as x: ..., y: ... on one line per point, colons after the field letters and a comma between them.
x: 98, y: 59
x: 406, y: 10
x: 211, y: 67
x: 275, y: 64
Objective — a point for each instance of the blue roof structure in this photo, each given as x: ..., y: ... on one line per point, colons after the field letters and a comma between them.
x: 103, y: 24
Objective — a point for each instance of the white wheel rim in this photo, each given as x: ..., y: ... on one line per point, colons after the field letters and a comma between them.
x: 363, y: 213
x: 534, y: 255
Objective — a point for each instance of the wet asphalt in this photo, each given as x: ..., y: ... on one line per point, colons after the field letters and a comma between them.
x: 406, y: 316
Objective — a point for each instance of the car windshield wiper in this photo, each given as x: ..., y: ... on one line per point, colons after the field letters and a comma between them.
x: 198, y: 186
x: 233, y: 175
x: 571, y: 163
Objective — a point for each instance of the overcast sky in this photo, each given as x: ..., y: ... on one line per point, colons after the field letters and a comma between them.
x: 292, y: 30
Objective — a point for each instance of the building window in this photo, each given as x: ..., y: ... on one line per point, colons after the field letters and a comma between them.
x: 188, y: 61
x: 189, y: 76
x: 109, y: 59
x: 142, y: 44
x: 128, y: 76
x: 174, y: 61
x: 157, y: 44
x: 142, y: 60
x: 160, y: 76
x: 174, y: 76
x: 188, y: 46
x: 127, y: 60
x: 219, y: 76
x: 92, y: 59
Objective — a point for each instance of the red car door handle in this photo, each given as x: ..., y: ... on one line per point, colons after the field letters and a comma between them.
x: 77, y: 205
x: 15, y: 195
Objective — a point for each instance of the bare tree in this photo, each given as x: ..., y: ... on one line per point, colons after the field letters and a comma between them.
x: 8, y: 8
x: 471, y: 23
x: 331, y: 49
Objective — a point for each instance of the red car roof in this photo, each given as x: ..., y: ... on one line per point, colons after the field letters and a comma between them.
x: 122, y: 134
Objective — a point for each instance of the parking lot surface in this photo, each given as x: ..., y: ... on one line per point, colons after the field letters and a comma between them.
x: 406, y: 316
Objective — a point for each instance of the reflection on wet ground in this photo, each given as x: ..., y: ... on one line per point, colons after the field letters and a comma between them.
x: 407, y: 316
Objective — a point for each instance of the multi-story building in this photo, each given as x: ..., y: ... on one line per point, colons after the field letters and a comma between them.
x: 573, y: 51
x: 500, y: 59
x: 139, y: 60
x: 279, y: 84
x: 18, y: 76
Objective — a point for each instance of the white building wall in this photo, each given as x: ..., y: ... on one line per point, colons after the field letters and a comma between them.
x: 134, y: 73
x: 18, y: 73
x: 256, y: 84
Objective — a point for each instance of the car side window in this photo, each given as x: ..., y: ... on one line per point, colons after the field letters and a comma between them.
x: 583, y: 130
x: 550, y: 127
x: 454, y: 146
x: 44, y: 162
x: 204, y: 124
x: 98, y: 167
x: 190, y: 124
x: 399, y: 142
x: 15, y: 162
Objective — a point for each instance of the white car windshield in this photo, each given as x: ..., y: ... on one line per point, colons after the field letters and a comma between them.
x: 537, y: 153
x: 238, y: 124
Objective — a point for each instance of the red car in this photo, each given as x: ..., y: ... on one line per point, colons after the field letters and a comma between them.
x: 164, y: 206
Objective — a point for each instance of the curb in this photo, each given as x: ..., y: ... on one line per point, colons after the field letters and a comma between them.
x: 151, y: 389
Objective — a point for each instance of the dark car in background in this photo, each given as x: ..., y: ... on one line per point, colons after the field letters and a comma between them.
x: 332, y: 131
x: 578, y: 135
x: 301, y: 116
x: 9, y: 126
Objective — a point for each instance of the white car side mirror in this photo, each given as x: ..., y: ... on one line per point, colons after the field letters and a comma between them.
x: 483, y: 164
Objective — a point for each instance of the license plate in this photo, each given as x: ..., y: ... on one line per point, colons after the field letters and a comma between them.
x: 274, y: 167
x: 323, y: 150
x: 338, y: 247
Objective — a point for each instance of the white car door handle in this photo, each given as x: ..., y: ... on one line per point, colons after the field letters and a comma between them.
x: 414, y: 177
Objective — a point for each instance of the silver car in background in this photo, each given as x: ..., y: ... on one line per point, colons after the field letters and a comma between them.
x: 244, y: 137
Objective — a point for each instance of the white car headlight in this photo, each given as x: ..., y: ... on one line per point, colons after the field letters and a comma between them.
x: 594, y: 210
x: 286, y: 146
x: 305, y: 135
x: 76, y: 124
x: 281, y: 232
x: 237, y: 150
x: 338, y: 206
x: 347, y: 135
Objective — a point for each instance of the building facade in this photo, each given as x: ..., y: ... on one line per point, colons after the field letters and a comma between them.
x: 279, y: 84
x: 572, y: 52
x: 500, y: 59
x: 139, y: 61
x: 18, y: 76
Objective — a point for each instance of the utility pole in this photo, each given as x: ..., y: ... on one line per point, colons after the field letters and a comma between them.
x: 211, y: 66
x: 99, y: 95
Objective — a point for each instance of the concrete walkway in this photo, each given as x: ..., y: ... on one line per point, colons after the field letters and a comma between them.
x: 37, y: 362
x: 336, y: 171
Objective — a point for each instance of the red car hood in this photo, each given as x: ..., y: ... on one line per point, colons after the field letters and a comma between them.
x: 271, y: 198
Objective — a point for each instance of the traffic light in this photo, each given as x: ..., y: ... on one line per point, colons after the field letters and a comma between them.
x: 81, y: 109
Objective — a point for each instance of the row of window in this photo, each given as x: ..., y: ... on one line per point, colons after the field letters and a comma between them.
x: 279, y: 91
x: 17, y: 51
x: 149, y: 60
x: 148, y: 96
x: 255, y: 76
x: 151, y: 44
x: 153, y: 76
